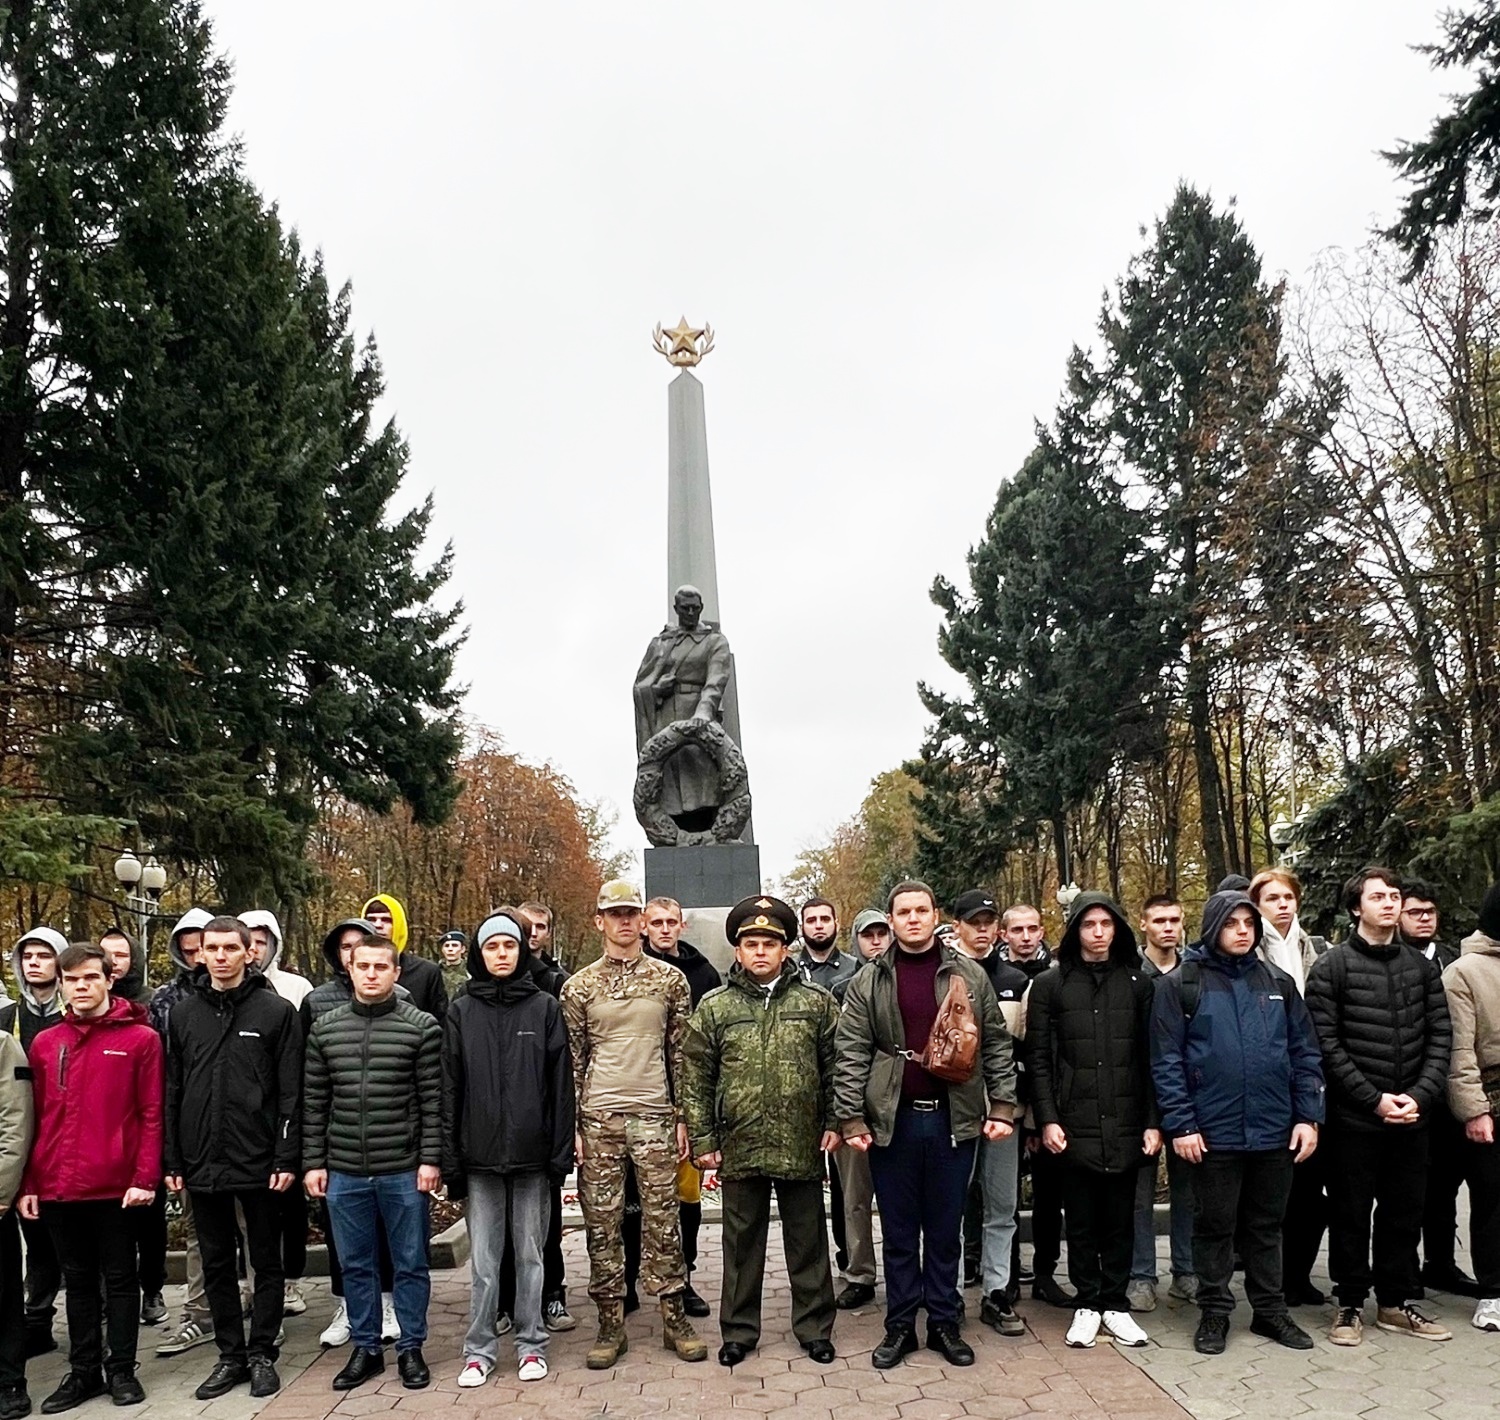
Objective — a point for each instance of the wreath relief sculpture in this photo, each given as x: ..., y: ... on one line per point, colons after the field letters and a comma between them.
x: 733, y: 811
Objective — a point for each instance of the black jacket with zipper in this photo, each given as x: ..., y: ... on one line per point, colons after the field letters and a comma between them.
x: 1382, y: 1022
x: 507, y: 1082
x: 372, y: 1090
x: 234, y: 1086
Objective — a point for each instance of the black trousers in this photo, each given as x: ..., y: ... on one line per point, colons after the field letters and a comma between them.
x: 12, y: 1304
x: 1306, y: 1221
x: 1240, y: 1197
x: 1481, y: 1164
x: 1445, y: 1176
x: 689, y: 1221
x: 292, y: 1207
x: 97, y: 1244
x: 336, y: 1273
x: 218, y: 1243
x: 747, y: 1222
x: 1385, y: 1174
x: 1100, y: 1209
x: 1046, y: 1210
x: 43, y: 1274
x: 151, y: 1225
x: 554, y: 1286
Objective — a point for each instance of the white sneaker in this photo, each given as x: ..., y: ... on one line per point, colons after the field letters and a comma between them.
x: 336, y: 1333
x: 475, y: 1373
x: 293, y: 1303
x: 1122, y: 1326
x: 1085, y: 1328
x: 390, y: 1328
x: 533, y: 1368
x: 1487, y: 1314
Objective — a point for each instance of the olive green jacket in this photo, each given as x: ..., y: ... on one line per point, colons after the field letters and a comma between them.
x: 867, y: 1082
x: 758, y: 1075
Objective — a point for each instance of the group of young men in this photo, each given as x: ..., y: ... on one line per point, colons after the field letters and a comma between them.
x: 1294, y: 1087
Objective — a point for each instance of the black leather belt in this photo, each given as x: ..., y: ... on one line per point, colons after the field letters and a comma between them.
x: 924, y: 1106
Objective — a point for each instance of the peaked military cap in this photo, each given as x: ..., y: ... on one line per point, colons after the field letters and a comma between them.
x: 761, y: 913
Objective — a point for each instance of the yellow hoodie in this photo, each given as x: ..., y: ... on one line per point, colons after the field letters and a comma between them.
x: 398, y: 917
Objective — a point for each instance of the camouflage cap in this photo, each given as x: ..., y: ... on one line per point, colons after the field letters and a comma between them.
x: 761, y: 913
x: 618, y: 893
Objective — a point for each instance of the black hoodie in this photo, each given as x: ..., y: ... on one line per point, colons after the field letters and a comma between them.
x: 337, y: 990
x: 507, y: 1080
x: 702, y: 975
x: 1088, y: 1047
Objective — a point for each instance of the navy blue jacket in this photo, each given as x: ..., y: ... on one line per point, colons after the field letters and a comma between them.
x: 1247, y: 1066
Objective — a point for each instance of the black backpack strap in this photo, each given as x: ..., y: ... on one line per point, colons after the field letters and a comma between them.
x: 1190, y: 981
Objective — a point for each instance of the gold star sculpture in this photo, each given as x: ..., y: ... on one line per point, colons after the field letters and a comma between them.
x: 684, y: 345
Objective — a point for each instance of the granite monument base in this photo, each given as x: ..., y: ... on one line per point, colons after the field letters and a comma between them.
x: 708, y: 875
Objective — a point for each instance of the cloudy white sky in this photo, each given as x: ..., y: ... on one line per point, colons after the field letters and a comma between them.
x: 898, y: 219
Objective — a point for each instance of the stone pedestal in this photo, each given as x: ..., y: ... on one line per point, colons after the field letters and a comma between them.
x: 709, y: 875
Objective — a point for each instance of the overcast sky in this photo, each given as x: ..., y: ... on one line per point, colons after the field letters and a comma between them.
x: 897, y: 217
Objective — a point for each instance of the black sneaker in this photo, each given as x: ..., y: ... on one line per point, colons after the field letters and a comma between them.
x: 1046, y: 1288
x: 125, y: 1389
x: 856, y: 1294
x: 945, y: 1338
x: 1212, y: 1334
x: 153, y: 1309
x: 1282, y: 1330
x: 899, y: 1343
x: 1450, y: 1278
x: 222, y: 1379
x: 264, y: 1380
x: 996, y: 1311
x: 76, y: 1387
x: 15, y: 1402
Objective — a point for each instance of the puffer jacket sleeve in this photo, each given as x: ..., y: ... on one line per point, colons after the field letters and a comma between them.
x: 1169, y: 1033
x: 1145, y: 997
x: 1309, y: 1098
x: 996, y: 1049
x: 827, y: 1064
x: 16, y: 1118
x: 288, y: 1153
x: 700, y: 1081
x: 1432, y: 1083
x: 560, y: 1087
x: 454, y: 1177
x: 430, y: 1093
x: 1326, y: 1009
x: 855, y: 1045
x: 316, y: 1099
x: 1040, y: 1064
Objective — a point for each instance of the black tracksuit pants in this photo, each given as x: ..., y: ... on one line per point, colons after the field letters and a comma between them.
x: 1377, y: 1188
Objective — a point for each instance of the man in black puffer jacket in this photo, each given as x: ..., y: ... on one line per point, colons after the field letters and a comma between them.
x: 1088, y: 1060
x: 371, y: 1143
x: 1382, y: 1021
x: 232, y: 1138
x: 508, y: 1123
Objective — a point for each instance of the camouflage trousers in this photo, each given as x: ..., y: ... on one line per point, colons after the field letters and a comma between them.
x: 650, y: 1143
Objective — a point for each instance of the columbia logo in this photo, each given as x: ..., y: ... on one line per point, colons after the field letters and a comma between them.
x: 1276, y: 998
x: 253, y: 1034
x: 123, y: 1054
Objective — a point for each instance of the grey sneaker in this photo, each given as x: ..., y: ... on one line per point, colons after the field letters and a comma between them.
x: 557, y: 1317
x: 190, y: 1334
x: 1141, y: 1295
x: 1184, y: 1288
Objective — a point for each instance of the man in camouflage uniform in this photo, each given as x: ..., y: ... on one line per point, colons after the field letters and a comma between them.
x: 758, y: 1099
x: 626, y: 1015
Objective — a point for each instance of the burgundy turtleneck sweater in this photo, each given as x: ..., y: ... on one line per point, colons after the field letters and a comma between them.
x: 916, y: 996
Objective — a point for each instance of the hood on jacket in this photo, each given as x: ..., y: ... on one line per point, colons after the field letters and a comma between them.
x: 398, y: 917
x: 1489, y: 913
x: 1122, y: 950
x: 259, y: 917
x: 1217, y: 911
x: 331, y: 942
x: 497, y: 924
x: 868, y: 918
x: 1480, y: 942
x: 131, y: 986
x: 120, y: 1013
x: 193, y: 920
x: 48, y: 937
x: 254, y: 981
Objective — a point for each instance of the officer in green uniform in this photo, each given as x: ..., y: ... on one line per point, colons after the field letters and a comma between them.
x: 758, y: 1102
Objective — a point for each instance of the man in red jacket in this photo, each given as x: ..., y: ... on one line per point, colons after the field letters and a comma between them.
x: 97, y: 1084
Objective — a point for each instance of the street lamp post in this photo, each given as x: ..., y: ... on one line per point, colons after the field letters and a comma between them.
x: 143, y: 884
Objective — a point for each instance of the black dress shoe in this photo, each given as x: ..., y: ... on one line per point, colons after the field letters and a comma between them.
x: 1048, y: 1289
x: 411, y: 1366
x: 15, y: 1402
x: 945, y: 1337
x: 856, y: 1294
x: 821, y: 1351
x: 632, y: 1301
x: 1450, y: 1278
x: 223, y: 1379
x: 1304, y: 1294
x: 360, y: 1366
x: 900, y: 1342
x: 731, y: 1353
x: 125, y: 1389
x: 1212, y: 1334
x: 1282, y: 1330
x: 263, y: 1378
x: 693, y: 1304
x: 76, y: 1387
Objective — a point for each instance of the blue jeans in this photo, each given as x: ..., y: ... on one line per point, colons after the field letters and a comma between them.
x: 1000, y: 1185
x: 921, y: 1181
x: 1180, y: 1186
x: 355, y: 1205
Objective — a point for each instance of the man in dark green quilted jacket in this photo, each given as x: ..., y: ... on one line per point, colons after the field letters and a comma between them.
x: 758, y: 1104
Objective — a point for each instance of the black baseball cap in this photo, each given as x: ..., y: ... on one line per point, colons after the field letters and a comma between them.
x: 970, y: 904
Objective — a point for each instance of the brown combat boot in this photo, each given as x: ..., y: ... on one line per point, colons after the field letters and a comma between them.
x: 677, y: 1332
x: 611, y: 1342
